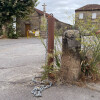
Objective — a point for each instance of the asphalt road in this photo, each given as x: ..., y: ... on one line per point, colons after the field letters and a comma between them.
x: 20, y: 60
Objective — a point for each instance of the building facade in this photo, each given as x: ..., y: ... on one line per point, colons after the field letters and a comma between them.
x: 37, y: 21
x: 88, y: 17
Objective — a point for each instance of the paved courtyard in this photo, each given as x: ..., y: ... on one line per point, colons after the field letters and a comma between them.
x: 20, y: 60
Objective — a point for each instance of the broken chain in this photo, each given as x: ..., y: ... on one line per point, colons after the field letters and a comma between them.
x: 40, y: 86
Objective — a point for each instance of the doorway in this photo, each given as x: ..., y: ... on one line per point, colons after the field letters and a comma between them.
x: 27, y: 28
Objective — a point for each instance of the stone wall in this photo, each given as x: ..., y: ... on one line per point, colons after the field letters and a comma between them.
x: 87, y: 19
x: 87, y: 14
x: 37, y: 21
x: 70, y: 68
x: 34, y: 21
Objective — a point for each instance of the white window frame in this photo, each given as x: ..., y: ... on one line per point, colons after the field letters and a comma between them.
x: 94, y: 15
x: 80, y: 15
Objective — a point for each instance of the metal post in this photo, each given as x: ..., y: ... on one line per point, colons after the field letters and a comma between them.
x: 50, y: 39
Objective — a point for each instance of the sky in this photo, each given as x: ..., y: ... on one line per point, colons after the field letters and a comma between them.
x: 64, y: 10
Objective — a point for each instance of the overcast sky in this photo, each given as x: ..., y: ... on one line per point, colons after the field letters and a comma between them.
x: 63, y: 9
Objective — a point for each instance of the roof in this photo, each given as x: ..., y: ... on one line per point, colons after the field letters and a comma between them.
x: 42, y: 13
x: 89, y: 7
x: 65, y: 23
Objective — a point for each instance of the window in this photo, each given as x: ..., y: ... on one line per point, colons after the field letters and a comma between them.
x: 94, y: 15
x: 81, y: 16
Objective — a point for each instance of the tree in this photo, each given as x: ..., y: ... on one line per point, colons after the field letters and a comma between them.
x: 90, y: 46
x: 15, y: 8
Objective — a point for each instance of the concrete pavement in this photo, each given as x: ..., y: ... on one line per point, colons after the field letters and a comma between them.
x: 20, y: 60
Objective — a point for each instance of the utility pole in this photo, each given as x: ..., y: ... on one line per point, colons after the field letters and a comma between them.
x: 51, y: 21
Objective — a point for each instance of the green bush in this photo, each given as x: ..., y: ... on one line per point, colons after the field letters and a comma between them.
x: 90, y: 51
x: 53, y: 68
x: 13, y: 36
x: 1, y: 33
x: 1, y: 30
x: 11, y: 31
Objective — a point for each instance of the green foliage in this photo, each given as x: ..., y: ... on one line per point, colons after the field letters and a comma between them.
x: 18, y: 8
x: 90, y: 55
x: 11, y: 31
x: 47, y: 69
x: 13, y: 36
x: 57, y: 51
x: 43, y: 24
x: 55, y: 66
x: 59, y: 32
x: 90, y: 42
x: 87, y: 27
x: 1, y: 32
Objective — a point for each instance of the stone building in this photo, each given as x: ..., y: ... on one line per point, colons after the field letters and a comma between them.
x: 35, y: 21
x: 88, y: 15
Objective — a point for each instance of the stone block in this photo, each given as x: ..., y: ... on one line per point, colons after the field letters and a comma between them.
x: 70, y: 67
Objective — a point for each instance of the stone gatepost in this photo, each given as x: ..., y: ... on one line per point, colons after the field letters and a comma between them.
x: 70, y: 68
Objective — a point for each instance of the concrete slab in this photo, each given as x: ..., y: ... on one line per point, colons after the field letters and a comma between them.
x: 20, y: 60
x: 94, y: 86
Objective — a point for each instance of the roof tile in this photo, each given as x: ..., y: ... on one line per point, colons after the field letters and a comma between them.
x: 89, y: 7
